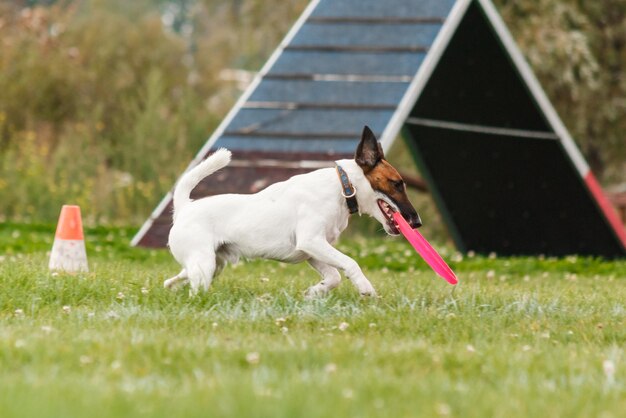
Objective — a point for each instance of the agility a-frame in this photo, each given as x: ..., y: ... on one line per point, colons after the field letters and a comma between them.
x: 504, y: 172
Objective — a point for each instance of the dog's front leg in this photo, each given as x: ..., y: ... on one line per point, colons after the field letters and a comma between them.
x: 330, y: 279
x: 319, y: 249
x: 180, y: 277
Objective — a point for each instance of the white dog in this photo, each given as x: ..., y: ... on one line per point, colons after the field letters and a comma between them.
x: 292, y: 221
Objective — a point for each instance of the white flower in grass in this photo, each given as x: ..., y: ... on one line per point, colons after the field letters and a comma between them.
x: 280, y: 321
x: 609, y: 370
x: 491, y: 274
x: 330, y: 368
x: 144, y: 290
x: 85, y: 360
x: 443, y: 409
x: 372, y: 325
x: 526, y: 348
x: 470, y: 348
x: 253, y: 358
x: 67, y: 309
x: 343, y: 326
x: 264, y: 298
x: 19, y: 312
x: 284, y: 330
x: 265, y: 279
x: 120, y: 296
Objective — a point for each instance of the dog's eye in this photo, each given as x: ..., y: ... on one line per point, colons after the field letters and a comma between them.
x: 398, y: 185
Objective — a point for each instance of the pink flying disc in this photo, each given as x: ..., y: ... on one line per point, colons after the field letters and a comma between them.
x: 424, y: 249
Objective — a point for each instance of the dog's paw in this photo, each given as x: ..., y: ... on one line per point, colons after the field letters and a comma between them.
x: 366, y: 289
x: 316, y: 291
x: 174, y: 283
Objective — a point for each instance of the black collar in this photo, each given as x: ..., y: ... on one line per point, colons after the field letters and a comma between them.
x: 347, y: 190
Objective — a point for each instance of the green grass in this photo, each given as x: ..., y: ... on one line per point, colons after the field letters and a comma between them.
x: 519, y: 337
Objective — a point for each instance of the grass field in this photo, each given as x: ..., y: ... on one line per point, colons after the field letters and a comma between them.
x: 520, y: 337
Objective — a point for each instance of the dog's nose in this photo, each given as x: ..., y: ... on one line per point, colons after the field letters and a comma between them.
x: 415, y: 221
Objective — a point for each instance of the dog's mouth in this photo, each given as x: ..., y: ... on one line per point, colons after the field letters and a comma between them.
x: 388, y: 211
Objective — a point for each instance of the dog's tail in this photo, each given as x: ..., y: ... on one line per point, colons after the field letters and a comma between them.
x: 191, y: 178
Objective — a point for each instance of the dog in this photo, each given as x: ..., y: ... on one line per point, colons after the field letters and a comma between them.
x: 292, y: 221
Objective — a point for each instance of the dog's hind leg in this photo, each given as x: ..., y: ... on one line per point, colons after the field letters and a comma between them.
x: 201, y: 269
x: 220, y: 263
x: 330, y: 279
x: 180, y: 277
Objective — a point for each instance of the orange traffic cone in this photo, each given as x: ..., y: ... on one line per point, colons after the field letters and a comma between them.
x: 68, y: 251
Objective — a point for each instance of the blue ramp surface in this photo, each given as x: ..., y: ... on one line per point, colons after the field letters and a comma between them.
x: 348, y: 64
x: 345, y: 64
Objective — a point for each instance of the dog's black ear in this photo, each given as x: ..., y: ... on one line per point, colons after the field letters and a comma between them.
x: 369, y: 152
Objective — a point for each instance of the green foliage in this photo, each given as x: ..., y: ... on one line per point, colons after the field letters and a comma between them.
x: 103, y: 106
x: 518, y: 337
x: 93, y: 107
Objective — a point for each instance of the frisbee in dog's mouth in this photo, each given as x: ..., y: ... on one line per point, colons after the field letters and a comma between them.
x: 424, y: 249
x: 388, y: 212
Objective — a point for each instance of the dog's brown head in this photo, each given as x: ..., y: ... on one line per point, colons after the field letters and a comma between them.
x: 386, y: 182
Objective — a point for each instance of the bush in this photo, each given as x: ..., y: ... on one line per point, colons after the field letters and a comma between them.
x: 96, y: 109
